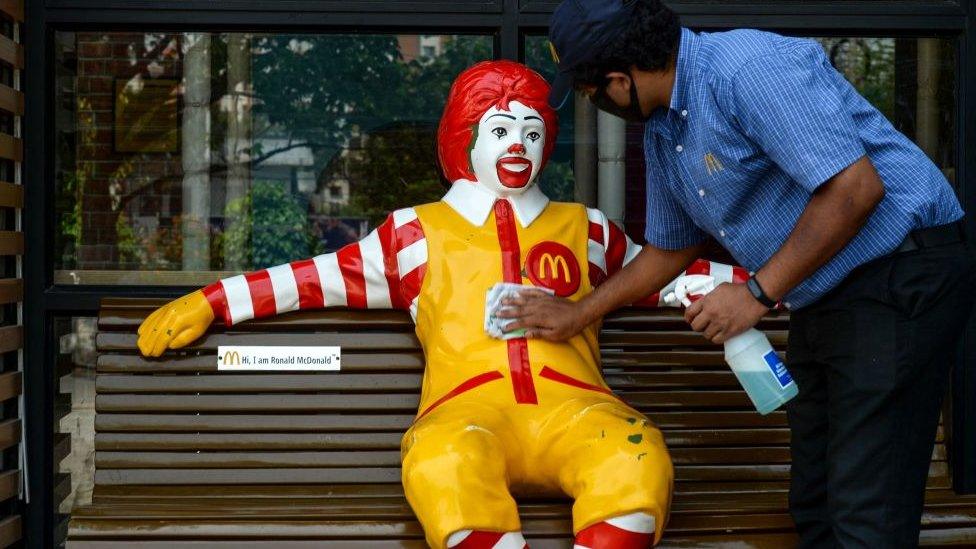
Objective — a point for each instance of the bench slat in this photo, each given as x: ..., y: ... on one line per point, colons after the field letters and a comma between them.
x: 375, y: 382
x: 392, y: 402
x: 157, y: 422
x: 385, y: 441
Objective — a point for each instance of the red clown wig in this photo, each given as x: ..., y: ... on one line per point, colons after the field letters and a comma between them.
x: 477, y: 89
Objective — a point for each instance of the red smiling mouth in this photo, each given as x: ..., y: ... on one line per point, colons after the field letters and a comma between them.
x: 514, y: 172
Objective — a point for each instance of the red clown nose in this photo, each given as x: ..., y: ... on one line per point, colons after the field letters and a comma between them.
x: 517, y: 148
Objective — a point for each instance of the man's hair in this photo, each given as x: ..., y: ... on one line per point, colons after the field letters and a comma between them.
x: 648, y: 43
x: 477, y: 89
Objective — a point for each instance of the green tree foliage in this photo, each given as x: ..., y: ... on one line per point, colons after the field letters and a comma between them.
x: 271, y: 228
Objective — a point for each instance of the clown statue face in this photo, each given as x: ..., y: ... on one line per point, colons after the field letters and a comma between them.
x: 509, y: 149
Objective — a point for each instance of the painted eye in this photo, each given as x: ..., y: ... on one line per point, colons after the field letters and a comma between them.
x: 500, y: 132
x: 534, y: 136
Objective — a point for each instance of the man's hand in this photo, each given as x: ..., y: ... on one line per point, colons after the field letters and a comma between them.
x: 725, y: 313
x: 544, y: 316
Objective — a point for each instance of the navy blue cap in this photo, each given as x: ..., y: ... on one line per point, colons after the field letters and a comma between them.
x: 578, y: 32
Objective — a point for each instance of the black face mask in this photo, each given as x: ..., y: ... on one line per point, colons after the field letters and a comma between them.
x: 630, y: 113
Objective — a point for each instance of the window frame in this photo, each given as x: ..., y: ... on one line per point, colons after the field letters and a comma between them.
x: 508, y: 21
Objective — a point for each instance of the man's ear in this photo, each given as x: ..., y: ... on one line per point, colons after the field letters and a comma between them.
x: 619, y: 81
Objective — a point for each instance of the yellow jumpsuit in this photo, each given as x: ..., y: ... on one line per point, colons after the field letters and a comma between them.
x: 523, y: 417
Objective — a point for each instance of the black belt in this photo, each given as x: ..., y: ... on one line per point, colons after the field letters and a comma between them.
x: 943, y: 235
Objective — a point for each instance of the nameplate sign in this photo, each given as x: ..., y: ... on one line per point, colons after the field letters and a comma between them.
x: 254, y: 358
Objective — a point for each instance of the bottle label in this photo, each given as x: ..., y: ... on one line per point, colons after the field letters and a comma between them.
x: 778, y: 369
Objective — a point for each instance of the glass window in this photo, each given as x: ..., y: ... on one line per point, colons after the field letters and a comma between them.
x: 911, y: 80
x: 558, y: 180
x: 184, y: 157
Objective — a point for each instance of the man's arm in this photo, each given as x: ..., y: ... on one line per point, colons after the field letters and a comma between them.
x: 557, y: 319
x: 835, y: 214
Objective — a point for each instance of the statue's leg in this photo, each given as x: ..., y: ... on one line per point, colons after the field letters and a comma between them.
x: 455, y: 479
x: 612, y: 460
x: 630, y: 531
x: 477, y: 539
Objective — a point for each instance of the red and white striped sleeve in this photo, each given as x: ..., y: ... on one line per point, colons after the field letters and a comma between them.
x: 610, y: 249
x: 382, y: 271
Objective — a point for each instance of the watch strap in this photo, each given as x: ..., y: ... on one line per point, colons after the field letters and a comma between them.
x: 757, y: 292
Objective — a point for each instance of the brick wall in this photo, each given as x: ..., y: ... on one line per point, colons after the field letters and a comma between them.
x: 144, y: 187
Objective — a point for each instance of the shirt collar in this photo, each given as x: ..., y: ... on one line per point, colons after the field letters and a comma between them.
x: 474, y: 202
x: 684, y: 66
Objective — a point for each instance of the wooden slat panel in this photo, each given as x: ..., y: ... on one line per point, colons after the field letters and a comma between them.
x: 11, y: 195
x: 250, y: 403
x: 269, y: 403
x: 11, y: 100
x: 670, y: 338
x: 9, y: 433
x: 250, y: 441
x: 336, y: 381
x: 107, y: 422
x: 9, y: 484
x: 125, y: 314
x: 11, y: 148
x: 351, y: 362
x: 162, y: 422
x: 11, y: 338
x: 11, y: 290
x: 369, y: 475
x: 11, y: 243
x: 383, y: 440
x: 365, y: 459
x: 257, y: 494
x: 111, y: 341
x: 11, y: 52
x: 62, y: 447
x: 409, y: 362
x: 10, y: 531
x: 13, y: 9
x: 11, y: 385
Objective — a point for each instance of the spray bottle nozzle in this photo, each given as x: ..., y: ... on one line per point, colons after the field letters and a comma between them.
x: 688, y: 288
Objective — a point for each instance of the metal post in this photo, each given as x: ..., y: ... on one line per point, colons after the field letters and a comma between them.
x: 611, y: 139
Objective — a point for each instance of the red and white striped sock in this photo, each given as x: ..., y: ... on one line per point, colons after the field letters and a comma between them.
x: 477, y: 539
x: 633, y: 531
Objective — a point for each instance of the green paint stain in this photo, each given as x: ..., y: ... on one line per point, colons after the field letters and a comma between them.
x: 603, y: 434
x: 635, y: 439
x: 632, y: 420
x: 640, y: 455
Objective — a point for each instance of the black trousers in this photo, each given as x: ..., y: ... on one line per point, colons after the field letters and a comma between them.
x: 872, y: 361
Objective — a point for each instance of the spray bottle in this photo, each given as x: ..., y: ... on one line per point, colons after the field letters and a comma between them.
x: 750, y: 355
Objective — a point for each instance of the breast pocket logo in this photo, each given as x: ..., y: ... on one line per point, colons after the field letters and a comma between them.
x: 552, y: 265
x: 712, y: 164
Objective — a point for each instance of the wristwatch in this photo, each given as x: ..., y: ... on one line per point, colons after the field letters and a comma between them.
x: 757, y: 292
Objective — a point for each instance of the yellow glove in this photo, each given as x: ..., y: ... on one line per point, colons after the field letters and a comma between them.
x: 175, y: 324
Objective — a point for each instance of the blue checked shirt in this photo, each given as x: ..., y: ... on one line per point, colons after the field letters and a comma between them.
x: 757, y: 122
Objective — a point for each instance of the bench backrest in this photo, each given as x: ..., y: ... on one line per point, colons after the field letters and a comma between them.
x: 176, y: 421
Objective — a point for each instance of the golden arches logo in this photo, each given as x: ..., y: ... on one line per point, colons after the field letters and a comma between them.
x: 232, y: 358
x: 554, y: 264
x: 712, y: 164
x: 552, y: 50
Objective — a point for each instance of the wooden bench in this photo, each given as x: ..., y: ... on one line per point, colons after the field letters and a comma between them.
x: 189, y: 457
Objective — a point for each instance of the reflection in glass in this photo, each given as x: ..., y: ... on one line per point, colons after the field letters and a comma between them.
x: 558, y: 180
x: 182, y: 157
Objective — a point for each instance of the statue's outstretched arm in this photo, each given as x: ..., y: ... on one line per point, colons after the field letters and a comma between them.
x: 382, y: 271
x: 610, y: 249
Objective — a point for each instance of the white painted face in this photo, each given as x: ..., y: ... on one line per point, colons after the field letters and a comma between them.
x: 507, y: 155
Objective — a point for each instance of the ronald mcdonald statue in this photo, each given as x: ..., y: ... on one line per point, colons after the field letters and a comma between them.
x: 496, y: 417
